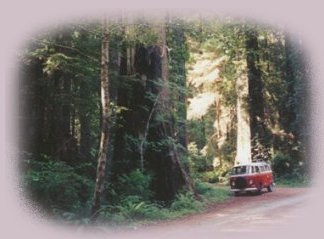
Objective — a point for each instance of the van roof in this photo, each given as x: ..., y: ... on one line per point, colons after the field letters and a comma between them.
x: 252, y: 164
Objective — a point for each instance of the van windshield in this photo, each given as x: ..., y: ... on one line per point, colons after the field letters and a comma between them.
x: 239, y: 170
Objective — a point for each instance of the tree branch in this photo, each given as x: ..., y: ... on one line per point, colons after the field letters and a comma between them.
x: 72, y: 49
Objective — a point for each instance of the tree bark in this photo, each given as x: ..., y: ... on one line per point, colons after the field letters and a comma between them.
x: 289, y: 116
x: 178, y: 62
x: 256, y: 99
x: 243, y: 143
x: 171, y: 176
x: 129, y: 97
x: 103, y: 148
x: 85, y: 130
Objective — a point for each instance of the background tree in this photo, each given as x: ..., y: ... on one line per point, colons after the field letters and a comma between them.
x: 105, y: 116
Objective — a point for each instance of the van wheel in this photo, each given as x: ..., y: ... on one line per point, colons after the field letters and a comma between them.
x: 259, y: 189
x: 270, y: 188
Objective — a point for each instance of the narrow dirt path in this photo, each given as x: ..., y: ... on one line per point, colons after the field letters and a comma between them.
x: 246, y: 213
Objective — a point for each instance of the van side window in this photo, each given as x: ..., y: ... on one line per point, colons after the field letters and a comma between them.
x: 252, y: 169
x: 257, y: 169
x: 239, y: 170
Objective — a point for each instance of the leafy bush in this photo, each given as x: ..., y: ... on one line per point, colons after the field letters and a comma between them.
x: 211, y: 177
x: 216, y: 176
x: 210, y: 193
x: 135, y: 184
x: 186, y: 203
x: 289, y: 171
x: 303, y: 181
x: 132, y: 208
x: 228, y: 151
x: 131, y: 199
x: 56, y: 186
x: 284, y: 166
x: 198, y: 161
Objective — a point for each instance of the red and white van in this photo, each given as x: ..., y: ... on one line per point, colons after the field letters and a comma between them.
x: 251, y: 177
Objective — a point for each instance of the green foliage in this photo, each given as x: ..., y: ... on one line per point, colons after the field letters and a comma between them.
x: 142, y: 33
x: 296, y: 182
x: 57, y: 186
x: 185, y: 203
x: 133, y: 208
x: 136, y: 184
x: 285, y: 167
x: 210, y: 193
x: 196, y: 133
x: 198, y: 161
x: 228, y: 150
x: 282, y: 165
x: 217, y: 175
x: 55, y: 62
x: 209, y: 176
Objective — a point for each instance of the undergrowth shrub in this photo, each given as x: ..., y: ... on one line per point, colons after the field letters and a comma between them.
x: 133, y: 208
x: 284, y: 166
x: 186, y: 203
x: 289, y: 171
x: 135, y: 184
x: 131, y: 200
x: 210, y: 193
x: 57, y: 187
x: 198, y: 161
x: 215, y: 176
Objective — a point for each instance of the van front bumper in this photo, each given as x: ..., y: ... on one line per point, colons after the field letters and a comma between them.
x: 244, y: 189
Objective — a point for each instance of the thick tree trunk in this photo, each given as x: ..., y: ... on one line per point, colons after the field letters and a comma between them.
x: 289, y: 115
x: 178, y: 74
x: 243, y: 143
x: 84, y: 119
x: 130, y: 96
x: 256, y: 98
x: 171, y: 176
x: 103, y: 148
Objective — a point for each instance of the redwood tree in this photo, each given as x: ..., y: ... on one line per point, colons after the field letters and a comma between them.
x: 103, y: 148
x: 171, y: 176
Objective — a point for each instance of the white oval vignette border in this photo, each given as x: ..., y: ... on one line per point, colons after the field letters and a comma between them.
x: 21, y: 19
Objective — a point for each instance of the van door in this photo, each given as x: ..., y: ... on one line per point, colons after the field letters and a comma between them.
x: 258, y: 176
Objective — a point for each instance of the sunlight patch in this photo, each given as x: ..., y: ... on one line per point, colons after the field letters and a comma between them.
x: 199, y: 105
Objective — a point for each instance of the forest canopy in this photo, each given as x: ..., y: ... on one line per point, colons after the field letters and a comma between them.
x: 134, y: 114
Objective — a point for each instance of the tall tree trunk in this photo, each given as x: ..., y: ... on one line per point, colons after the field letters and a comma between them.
x: 256, y: 98
x: 178, y: 76
x: 85, y: 130
x: 293, y: 113
x: 171, y: 176
x: 123, y: 159
x: 251, y: 129
x: 68, y: 148
x: 114, y: 69
x: 243, y: 143
x: 288, y: 115
x: 103, y: 148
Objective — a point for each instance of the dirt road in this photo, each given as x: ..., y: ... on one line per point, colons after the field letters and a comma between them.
x: 247, y: 213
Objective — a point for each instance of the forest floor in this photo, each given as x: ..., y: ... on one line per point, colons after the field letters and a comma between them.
x: 245, y: 213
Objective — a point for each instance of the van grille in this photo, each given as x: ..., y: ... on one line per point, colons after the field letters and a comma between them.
x: 240, y: 183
